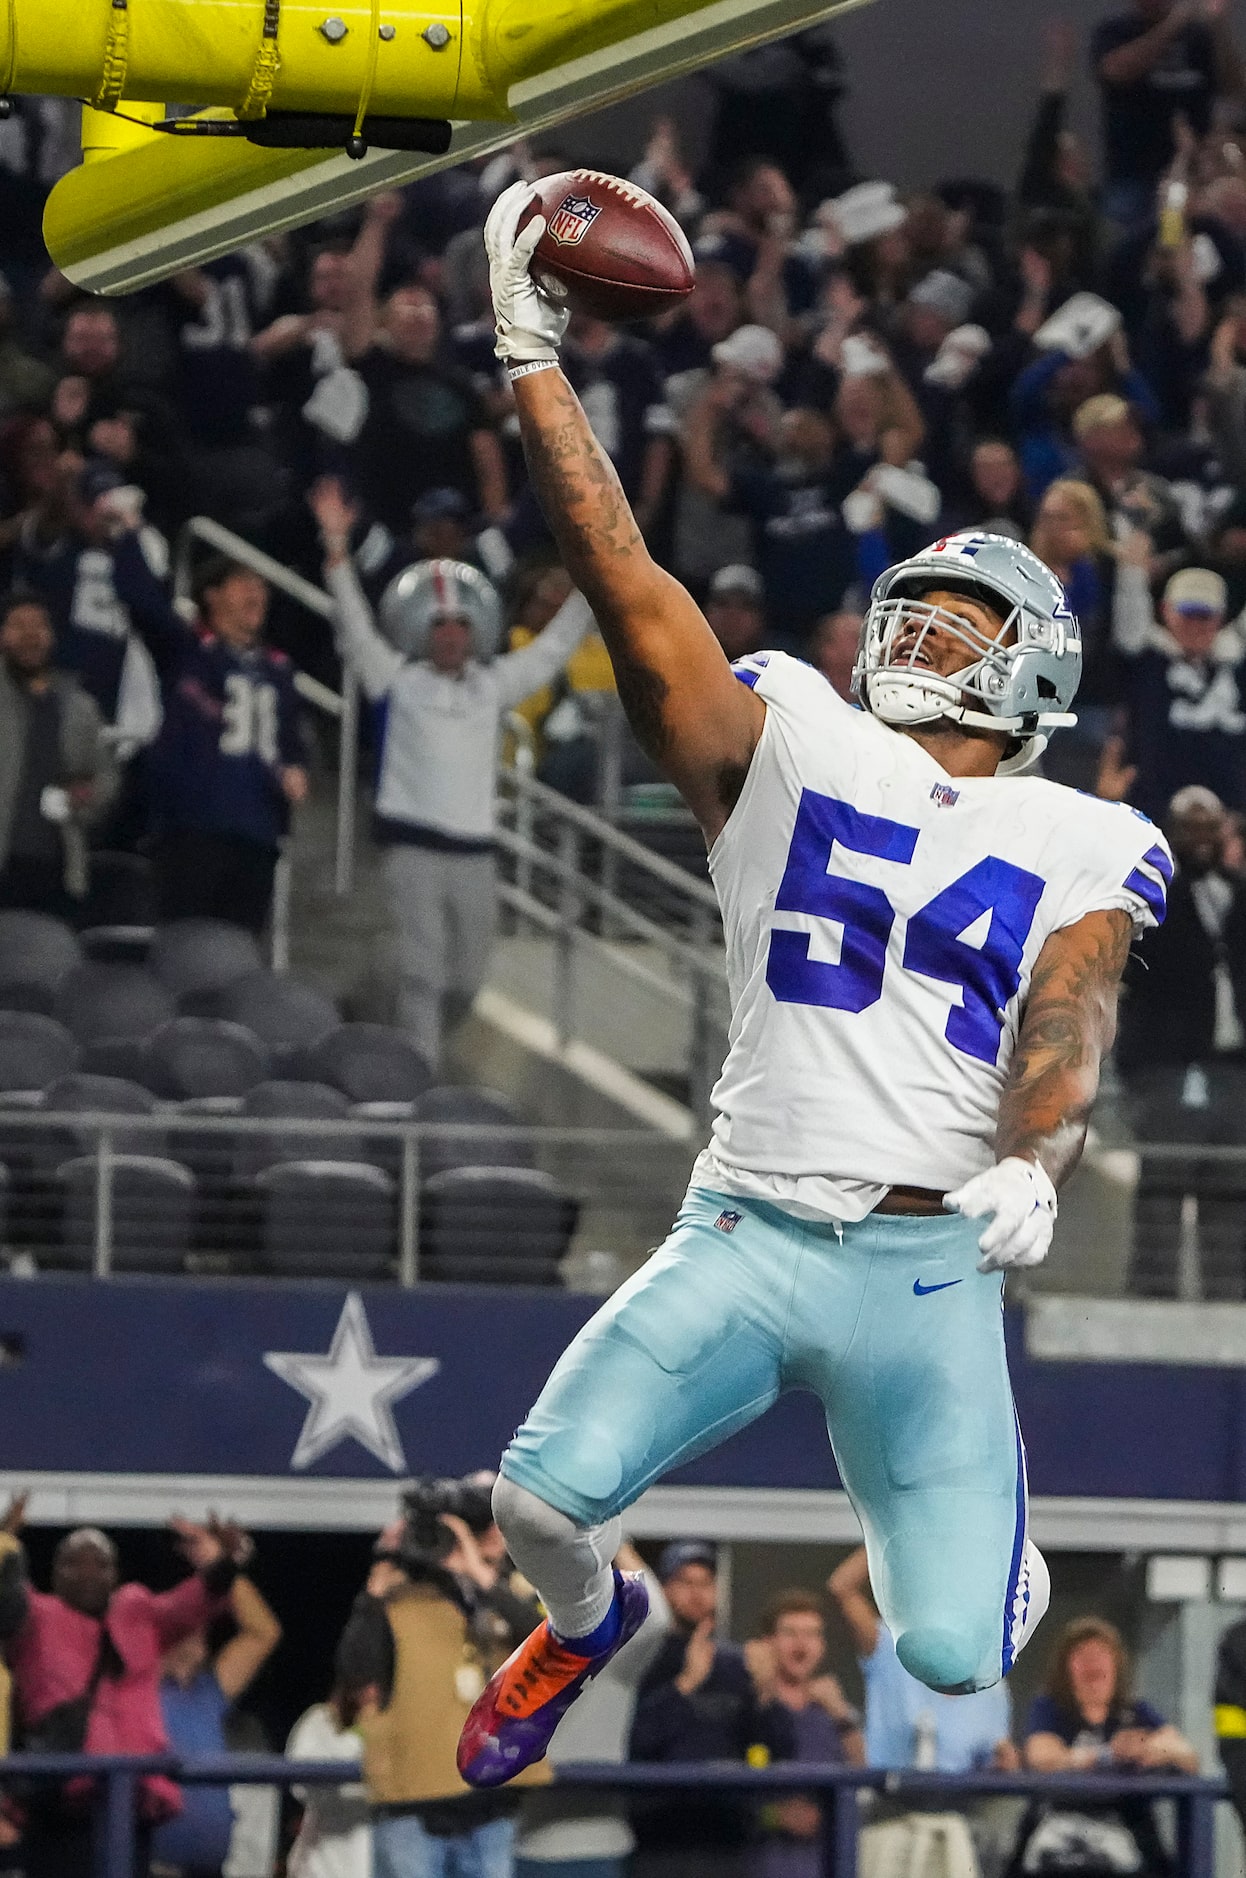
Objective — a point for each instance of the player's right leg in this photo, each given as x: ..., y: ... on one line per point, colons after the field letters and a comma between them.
x: 684, y: 1354
x: 925, y: 1435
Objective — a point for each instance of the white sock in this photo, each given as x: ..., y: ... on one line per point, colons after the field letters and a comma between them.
x: 570, y: 1565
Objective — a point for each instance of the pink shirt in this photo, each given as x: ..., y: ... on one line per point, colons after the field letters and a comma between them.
x: 53, y: 1656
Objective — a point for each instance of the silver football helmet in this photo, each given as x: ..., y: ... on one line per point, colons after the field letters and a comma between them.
x: 432, y: 590
x: 1023, y: 682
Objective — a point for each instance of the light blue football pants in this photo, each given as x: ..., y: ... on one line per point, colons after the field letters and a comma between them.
x: 901, y: 1336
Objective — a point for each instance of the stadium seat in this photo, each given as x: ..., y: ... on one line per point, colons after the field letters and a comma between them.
x: 283, y: 1014
x: 288, y: 1103
x: 152, y: 1206
x: 368, y: 1063
x: 32, y: 1211
x: 324, y: 1218
x: 116, y: 945
x: 34, y: 1051
x: 494, y: 1225
x: 37, y: 953
x: 225, y: 1214
x: 194, y: 1057
x: 58, y: 1139
x: 98, y: 1001
x: 125, y: 1057
x: 211, y: 1105
x: 478, y: 1109
x: 191, y: 957
x: 83, y: 1094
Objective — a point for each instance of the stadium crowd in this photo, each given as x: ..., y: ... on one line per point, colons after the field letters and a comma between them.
x: 856, y: 371
x: 101, y: 1663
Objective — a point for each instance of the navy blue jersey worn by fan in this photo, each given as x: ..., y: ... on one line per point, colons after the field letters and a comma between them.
x: 95, y: 596
x: 230, y: 727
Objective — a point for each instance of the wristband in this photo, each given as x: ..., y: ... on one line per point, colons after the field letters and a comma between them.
x: 529, y: 365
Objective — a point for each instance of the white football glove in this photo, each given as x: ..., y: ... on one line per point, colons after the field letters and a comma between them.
x: 1021, y: 1203
x: 530, y: 325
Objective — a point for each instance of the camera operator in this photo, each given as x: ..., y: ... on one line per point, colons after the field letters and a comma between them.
x: 438, y: 1615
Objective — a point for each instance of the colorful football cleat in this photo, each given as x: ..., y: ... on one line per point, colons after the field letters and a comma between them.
x: 513, y: 1721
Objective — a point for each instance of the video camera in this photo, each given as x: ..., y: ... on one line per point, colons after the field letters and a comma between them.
x: 426, y: 1541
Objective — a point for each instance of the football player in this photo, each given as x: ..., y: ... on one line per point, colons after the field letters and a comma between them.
x: 923, y: 953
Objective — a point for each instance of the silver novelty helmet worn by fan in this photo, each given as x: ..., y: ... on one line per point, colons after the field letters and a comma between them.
x: 1023, y: 686
x: 433, y: 590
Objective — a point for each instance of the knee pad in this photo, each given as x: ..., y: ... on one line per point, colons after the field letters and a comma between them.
x: 948, y: 1660
x: 958, y: 1658
x: 576, y: 1464
x: 524, y: 1517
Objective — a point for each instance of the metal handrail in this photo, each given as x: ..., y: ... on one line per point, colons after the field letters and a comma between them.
x: 599, y: 898
x: 1184, y: 1150
x: 119, y: 1776
x: 697, y: 892
x: 164, y: 1119
x: 585, y: 911
x: 97, y: 1133
x: 1195, y: 1797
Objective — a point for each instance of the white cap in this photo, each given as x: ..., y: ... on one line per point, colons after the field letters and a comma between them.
x: 1197, y: 588
x: 738, y: 578
x: 753, y: 350
x: 944, y: 293
x: 867, y: 211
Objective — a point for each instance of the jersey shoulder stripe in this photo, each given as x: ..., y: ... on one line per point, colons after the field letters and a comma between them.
x: 750, y: 668
x: 1150, y: 880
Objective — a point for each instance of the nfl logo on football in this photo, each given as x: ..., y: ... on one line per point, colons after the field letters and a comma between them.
x: 572, y: 220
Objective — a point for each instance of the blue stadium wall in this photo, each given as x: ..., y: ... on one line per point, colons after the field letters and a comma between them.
x: 160, y: 1393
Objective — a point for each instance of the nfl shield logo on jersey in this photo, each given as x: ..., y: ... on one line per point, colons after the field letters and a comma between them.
x: 572, y: 219
x: 727, y: 1221
x: 945, y: 795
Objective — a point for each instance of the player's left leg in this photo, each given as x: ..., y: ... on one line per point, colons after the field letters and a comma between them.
x: 926, y: 1439
x: 684, y: 1354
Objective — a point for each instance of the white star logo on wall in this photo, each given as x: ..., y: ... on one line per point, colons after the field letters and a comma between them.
x: 351, y: 1390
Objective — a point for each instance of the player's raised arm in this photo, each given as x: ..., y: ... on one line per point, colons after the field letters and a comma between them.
x: 1053, y: 1079
x: 687, y: 709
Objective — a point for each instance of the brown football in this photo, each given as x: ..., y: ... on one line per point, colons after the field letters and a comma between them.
x: 609, y: 249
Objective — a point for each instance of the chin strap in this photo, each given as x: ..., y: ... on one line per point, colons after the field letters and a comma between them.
x: 945, y: 699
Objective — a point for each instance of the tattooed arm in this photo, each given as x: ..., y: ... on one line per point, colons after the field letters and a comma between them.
x: 1068, y: 1025
x: 689, y: 712
x: 1067, y: 1029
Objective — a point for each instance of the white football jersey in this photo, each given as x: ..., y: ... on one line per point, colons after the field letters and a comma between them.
x: 882, y: 921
